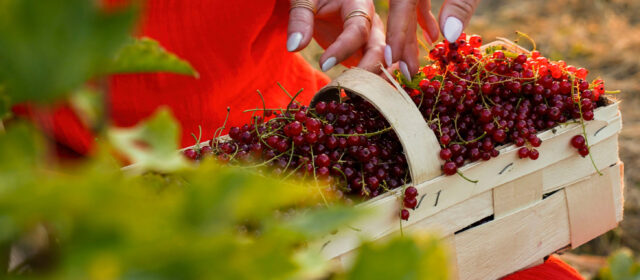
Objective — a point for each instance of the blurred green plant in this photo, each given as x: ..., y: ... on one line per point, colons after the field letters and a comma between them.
x: 162, y: 218
x: 50, y: 48
x: 146, y: 55
x: 620, y: 266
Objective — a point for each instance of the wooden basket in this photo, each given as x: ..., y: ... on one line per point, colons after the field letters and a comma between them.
x: 518, y: 212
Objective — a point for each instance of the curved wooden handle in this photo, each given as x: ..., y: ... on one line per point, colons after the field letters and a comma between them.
x: 419, y: 142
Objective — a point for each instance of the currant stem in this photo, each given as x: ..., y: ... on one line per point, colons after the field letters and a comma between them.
x: 465, y: 177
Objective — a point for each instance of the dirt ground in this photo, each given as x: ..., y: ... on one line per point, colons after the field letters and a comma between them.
x: 600, y: 35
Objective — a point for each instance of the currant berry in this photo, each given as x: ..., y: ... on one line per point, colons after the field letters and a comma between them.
x: 523, y: 152
x: 578, y: 141
x: 404, y: 214
x: 411, y: 192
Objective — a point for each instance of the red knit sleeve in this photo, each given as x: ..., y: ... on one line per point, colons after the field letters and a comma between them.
x: 552, y: 268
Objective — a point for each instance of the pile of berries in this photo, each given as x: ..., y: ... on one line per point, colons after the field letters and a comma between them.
x: 474, y: 100
x: 347, y: 144
x: 477, y: 100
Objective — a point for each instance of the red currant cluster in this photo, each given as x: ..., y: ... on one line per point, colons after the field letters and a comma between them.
x: 348, y: 144
x: 409, y: 201
x: 476, y: 100
x: 580, y: 144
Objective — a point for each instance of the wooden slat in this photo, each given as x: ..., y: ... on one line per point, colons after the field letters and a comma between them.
x: 556, y: 175
x: 505, y: 245
x: 618, y: 193
x: 457, y: 217
x: 517, y: 194
x: 591, y: 205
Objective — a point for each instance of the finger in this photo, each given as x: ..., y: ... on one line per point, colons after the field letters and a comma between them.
x: 454, y: 16
x: 374, y: 49
x: 399, y: 20
x: 354, y: 36
x: 409, y: 63
x: 427, y: 21
x: 300, y: 29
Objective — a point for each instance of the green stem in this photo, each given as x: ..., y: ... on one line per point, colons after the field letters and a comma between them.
x: 370, y: 134
x: 465, y: 177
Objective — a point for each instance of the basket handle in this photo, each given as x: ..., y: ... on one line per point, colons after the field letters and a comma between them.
x: 420, y: 144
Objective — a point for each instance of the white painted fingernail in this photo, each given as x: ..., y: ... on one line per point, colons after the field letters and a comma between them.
x: 405, y: 70
x: 388, y: 58
x: 328, y: 64
x: 294, y: 41
x: 452, y: 29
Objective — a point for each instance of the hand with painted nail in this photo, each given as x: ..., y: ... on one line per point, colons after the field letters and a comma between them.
x: 350, y: 31
x: 402, y: 45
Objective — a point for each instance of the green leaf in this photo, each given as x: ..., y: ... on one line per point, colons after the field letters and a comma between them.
x: 49, y: 48
x: 319, y: 222
x: 5, y: 105
x: 88, y: 104
x: 401, y: 258
x: 621, y: 266
x: 415, y: 80
x: 152, y: 145
x: 146, y: 55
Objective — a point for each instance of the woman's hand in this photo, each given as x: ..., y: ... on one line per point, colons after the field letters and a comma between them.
x: 350, y: 31
x: 402, y: 45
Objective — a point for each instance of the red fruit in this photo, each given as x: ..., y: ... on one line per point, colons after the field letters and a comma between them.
x: 282, y: 146
x: 587, y: 115
x: 321, y: 108
x: 411, y: 192
x: 312, y: 124
x: 535, y: 141
x: 445, y: 139
x: 206, y: 150
x: 578, y: 141
x: 523, y: 152
x: 272, y: 141
x: 295, y: 128
x: 533, y: 154
x: 328, y: 129
x: 300, y: 116
x: 449, y: 168
x: 191, y: 154
x: 410, y: 202
x: 475, y: 41
x: 373, y: 183
x: 404, y: 214
x: 584, y: 151
x: 445, y: 154
x: 322, y: 160
x: 234, y: 133
x: 499, y: 136
x: 322, y: 172
x: 311, y: 137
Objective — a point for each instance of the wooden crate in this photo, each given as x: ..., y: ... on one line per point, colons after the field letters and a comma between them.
x: 518, y: 212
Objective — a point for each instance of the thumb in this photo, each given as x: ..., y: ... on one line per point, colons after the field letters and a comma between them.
x: 454, y: 16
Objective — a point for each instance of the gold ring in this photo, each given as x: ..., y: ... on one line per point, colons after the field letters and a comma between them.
x: 358, y: 13
x: 305, y: 4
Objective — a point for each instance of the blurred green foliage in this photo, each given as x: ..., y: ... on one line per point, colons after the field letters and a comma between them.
x: 146, y: 55
x: 48, y: 48
x: 162, y: 218
x: 621, y: 266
